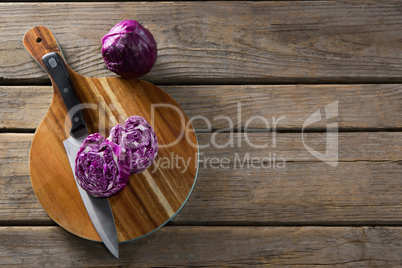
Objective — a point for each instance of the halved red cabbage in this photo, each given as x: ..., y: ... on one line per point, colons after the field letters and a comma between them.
x: 139, y: 141
x: 100, y: 167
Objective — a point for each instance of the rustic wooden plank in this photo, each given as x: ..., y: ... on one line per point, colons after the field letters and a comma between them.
x: 24, y: 107
x: 362, y: 146
x: 136, y: 0
x: 299, y: 194
x: 221, y: 42
x: 363, y: 188
x: 209, y: 247
x: 359, y: 106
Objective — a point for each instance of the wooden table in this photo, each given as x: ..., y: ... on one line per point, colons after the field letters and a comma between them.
x: 256, y: 71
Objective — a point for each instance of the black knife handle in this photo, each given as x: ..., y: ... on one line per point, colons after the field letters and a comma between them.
x: 57, y: 71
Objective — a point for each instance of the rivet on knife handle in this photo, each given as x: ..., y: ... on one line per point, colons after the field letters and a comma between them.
x: 57, y: 71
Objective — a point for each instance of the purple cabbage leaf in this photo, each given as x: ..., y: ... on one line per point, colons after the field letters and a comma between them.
x: 138, y: 139
x: 100, y: 167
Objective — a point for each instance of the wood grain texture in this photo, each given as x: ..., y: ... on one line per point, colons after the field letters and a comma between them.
x: 150, y: 198
x: 221, y: 42
x: 375, y: 106
x: 210, y: 247
x: 362, y: 189
x: 39, y: 1
x: 238, y: 213
x: 297, y: 194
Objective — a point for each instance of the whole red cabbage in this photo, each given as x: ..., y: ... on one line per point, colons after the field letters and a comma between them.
x: 129, y: 49
x: 139, y: 141
x: 100, y: 167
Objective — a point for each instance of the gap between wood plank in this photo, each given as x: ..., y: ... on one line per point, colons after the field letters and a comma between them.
x: 231, y: 224
x: 272, y: 82
x: 224, y: 82
x: 285, y: 224
x: 150, y: 1
x: 285, y: 130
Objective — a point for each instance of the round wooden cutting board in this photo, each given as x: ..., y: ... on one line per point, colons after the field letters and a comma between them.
x: 150, y: 198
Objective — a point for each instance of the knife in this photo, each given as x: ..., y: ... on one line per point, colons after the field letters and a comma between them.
x: 99, y: 209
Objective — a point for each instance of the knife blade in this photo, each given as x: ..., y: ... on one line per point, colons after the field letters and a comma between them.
x: 98, y: 209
